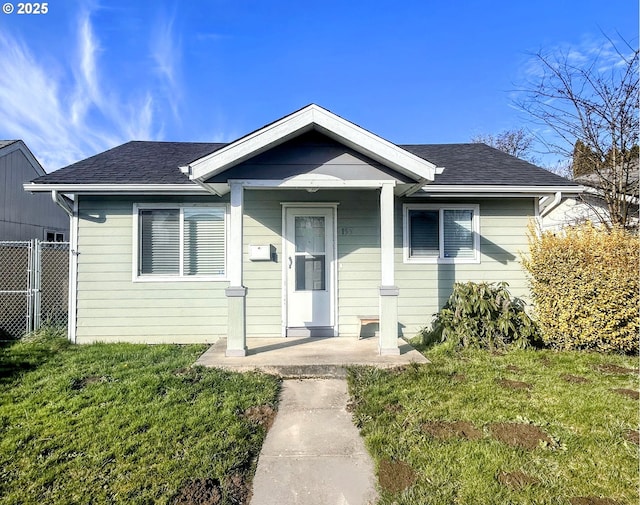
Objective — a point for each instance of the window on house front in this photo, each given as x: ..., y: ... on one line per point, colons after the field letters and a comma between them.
x: 445, y: 234
x: 181, y: 242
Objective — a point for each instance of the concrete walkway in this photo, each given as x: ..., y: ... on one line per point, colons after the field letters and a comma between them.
x: 313, y: 453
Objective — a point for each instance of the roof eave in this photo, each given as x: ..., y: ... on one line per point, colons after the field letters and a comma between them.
x: 116, y: 189
x: 495, y: 190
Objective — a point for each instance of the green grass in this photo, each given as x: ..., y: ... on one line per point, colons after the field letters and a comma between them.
x: 120, y: 423
x: 586, y: 422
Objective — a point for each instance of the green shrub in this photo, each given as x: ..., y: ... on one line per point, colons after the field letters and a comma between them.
x: 584, y: 283
x: 483, y: 316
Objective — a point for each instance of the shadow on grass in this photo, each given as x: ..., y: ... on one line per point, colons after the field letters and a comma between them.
x: 21, y: 356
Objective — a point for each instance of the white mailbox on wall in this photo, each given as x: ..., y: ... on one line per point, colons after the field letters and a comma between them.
x: 261, y: 252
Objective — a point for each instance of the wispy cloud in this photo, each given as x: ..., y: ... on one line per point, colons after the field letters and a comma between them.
x: 71, y: 113
x: 604, y: 53
x: 166, y: 51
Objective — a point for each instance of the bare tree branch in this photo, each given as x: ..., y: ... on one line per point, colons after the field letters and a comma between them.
x: 592, y: 109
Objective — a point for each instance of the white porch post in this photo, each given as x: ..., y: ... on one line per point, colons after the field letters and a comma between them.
x: 388, y: 343
x: 236, y: 292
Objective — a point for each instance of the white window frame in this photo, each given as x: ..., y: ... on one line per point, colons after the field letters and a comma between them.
x: 137, y: 207
x: 440, y: 259
x: 56, y: 234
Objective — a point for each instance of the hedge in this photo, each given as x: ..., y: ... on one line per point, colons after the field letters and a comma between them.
x: 585, y: 288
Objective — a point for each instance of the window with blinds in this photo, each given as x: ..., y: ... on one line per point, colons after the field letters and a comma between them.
x: 181, y: 242
x: 424, y: 233
x: 458, y: 233
x: 441, y: 233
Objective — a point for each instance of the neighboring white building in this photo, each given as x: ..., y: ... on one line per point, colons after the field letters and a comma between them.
x: 589, y: 206
x: 25, y: 216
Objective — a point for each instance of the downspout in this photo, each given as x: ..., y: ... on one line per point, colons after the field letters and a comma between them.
x: 62, y: 202
x: 547, y: 206
x: 421, y: 183
x: 70, y: 207
x: 186, y: 170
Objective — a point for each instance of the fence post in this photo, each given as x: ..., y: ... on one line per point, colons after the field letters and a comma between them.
x: 37, y: 289
x: 30, y: 286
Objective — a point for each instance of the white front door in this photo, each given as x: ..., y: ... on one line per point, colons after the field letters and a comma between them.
x: 309, y: 265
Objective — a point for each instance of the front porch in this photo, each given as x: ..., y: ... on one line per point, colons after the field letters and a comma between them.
x: 308, y: 357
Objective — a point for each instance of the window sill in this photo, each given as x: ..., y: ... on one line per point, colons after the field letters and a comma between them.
x: 170, y: 278
x: 442, y: 261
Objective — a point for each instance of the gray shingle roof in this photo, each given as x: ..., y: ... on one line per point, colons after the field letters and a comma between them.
x: 136, y: 162
x: 479, y: 164
x: 142, y: 162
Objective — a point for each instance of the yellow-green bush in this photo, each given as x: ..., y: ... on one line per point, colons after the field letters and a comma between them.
x: 584, y: 283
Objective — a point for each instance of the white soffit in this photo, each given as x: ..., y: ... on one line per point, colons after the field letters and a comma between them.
x: 312, y: 117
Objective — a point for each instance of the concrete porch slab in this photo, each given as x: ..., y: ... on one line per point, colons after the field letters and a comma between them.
x: 308, y: 357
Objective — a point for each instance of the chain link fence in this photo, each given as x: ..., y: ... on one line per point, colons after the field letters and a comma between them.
x: 34, y: 286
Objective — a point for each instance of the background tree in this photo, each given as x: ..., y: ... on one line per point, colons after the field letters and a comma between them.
x: 518, y: 143
x: 590, y: 103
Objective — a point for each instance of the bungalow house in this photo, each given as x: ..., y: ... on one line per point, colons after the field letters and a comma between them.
x: 308, y: 226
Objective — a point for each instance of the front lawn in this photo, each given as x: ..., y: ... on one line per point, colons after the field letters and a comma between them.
x: 119, y: 423
x: 525, y: 427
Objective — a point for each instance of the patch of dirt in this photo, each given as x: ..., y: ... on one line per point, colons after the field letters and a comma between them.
x: 238, y: 490
x: 591, y: 500
x: 459, y: 377
x: 394, y: 408
x: 262, y: 415
x: 575, y: 379
x: 525, y: 436
x: 514, y: 369
x: 620, y: 370
x: 546, y: 362
x: 634, y: 395
x: 632, y: 436
x: 446, y: 430
x: 199, y: 492
x: 395, y: 476
x: 516, y: 480
x: 78, y: 384
x: 517, y: 385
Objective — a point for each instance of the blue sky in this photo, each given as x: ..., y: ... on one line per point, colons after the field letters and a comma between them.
x: 89, y: 75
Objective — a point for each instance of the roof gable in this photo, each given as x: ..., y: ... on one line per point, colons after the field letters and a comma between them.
x: 304, y: 120
x: 312, y: 154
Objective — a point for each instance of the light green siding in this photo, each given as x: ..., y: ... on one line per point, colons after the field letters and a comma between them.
x: 111, y: 306
x: 424, y: 288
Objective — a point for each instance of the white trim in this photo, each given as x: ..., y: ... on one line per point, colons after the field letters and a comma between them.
x: 235, y: 247
x: 120, y: 189
x: 475, y: 223
x: 73, y: 274
x: 298, y: 182
x: 309, y: 118
x: 135, y: 257
x: 489, y: 190
x: 387, y: 234
x: 333, y: 206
